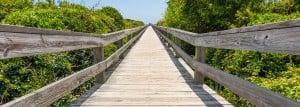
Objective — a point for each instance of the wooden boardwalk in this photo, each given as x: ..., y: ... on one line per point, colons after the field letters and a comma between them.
x: 150, y: 75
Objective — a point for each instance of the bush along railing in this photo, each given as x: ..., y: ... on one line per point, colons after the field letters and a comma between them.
x: 279, y: 38
x: 25, y: 41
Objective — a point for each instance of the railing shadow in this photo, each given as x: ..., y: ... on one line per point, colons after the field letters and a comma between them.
x: 199, y: 90
x: 108, y: 73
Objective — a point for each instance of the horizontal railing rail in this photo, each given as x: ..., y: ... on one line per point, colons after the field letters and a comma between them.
x: 258, y: 96
x: 16, y: 41
x: 280, y: 37
x: 54, y: 91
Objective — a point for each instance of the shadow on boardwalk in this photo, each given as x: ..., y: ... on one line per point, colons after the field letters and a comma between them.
x: 202, y: 93
x: 202, y: 96
x: 108, y: 73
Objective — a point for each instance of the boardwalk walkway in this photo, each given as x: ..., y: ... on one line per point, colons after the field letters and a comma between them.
x: 150, y: 75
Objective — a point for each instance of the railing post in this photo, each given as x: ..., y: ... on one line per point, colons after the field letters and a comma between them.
x: 163, y: 40
x: 200, y: 55
x: 168, y: 44
x: 130, y: 36
x: 120, y: 43
x: 98, y: 57
x: 177, y: 43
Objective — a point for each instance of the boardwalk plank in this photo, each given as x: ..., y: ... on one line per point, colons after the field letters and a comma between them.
x: 150, y: 76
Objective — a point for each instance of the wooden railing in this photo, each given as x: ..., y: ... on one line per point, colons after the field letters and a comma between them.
x: 24, y: 41
x: 281, y: 37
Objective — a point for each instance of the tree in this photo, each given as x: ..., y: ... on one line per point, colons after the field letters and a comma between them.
x: 115, y: 14
x: 9, y: 6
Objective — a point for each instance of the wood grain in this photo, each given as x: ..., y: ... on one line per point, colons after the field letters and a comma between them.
x: 98, y: 54
x: 52, y: 92
x: 253, y: 93
x: 32, y: 30
x: 147, y: 76
x: 24, y: 41
x: 200, y: 55
x: 116, y: 36
x: 18, y: 45
x: 280, y: 37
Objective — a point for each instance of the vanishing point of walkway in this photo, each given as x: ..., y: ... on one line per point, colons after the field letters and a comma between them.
x: 150, y: 75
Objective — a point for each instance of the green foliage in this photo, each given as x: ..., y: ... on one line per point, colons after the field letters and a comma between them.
x: 272, y: 71
x: 20, y: 76
x: 285, y: 84
x: 283, y: 7
x: 9, y: 6
x: 113, y: 13
x: 249, y: 63
x: 128, y: 23
x: 272, y: 17
x: 62, y: 19
x: 203, y: 15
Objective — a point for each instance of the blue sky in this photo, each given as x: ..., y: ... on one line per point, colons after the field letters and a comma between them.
x: 149, y: 11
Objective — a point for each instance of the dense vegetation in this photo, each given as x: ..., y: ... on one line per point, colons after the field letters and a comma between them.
x: 128, y: 23
x: 277, y: 72
x: 20, y: 76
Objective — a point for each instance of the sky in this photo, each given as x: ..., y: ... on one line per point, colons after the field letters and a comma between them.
x: 148, y: 11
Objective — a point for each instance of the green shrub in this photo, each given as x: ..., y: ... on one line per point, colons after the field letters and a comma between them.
x: 115, y: 15
x: 62, y: 19
x: 20, y: 76
x: 128, y: 23
x: 9, y: 6
x: 272, y: 17
x: 287, y: 83
x: 264, y: 69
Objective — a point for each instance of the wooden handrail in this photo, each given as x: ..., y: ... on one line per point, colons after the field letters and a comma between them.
x: 280, y: 37
x: 116, y: 36
x: 258, y: 96
x: 25, y: 41
x: 54, y: 91
x: 18, y: 41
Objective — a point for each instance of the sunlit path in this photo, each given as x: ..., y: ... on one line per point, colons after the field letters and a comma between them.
x: 150, y: 76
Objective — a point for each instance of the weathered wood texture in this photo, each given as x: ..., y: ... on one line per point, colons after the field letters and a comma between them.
x: 32, y: 30
x: 253, y: 93
x: 23, y: 41
x: 116, y: 36
x: 200, y: 55
x: 98, y: 54
x: 50, y: 93
x: 280, y: 37
x: 150, y: 76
